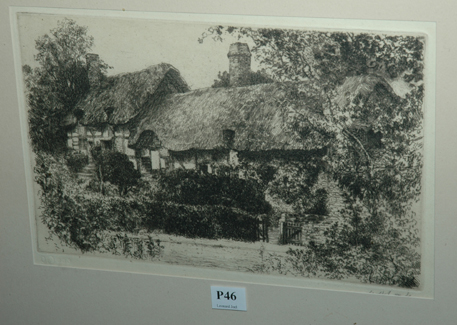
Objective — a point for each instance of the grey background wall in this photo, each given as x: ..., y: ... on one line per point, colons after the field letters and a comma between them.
x: 32, y: 294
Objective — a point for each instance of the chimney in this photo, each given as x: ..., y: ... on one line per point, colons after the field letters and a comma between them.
x: 239, y: 64
x: 93, y: 69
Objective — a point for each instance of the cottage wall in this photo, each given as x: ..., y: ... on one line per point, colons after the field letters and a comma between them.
x: 121, y: 138
x: 190, y: 163
x: 184, y: 160
x: 204, y: 160
x: 83, y: 138
x: 77, y: 138
x: 155, y: 160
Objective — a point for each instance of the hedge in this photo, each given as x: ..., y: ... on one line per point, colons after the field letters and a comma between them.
x: 204, y: 221
x: 194, y: 188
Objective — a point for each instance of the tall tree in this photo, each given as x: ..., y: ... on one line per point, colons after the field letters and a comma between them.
x: 57, y: 84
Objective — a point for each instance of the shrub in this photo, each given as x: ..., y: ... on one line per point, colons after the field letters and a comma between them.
x: 383, y: 251
x: 76, y: 161
x: 133, y: 246
x: 116, y: 168
x: 318, y: 203
x: 295, y: 184
x: 87, y: 220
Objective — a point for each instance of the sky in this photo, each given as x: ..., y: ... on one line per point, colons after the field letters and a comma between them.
x: 133, y: 44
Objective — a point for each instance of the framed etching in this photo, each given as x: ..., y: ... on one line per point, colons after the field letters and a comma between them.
x: 283, y: 151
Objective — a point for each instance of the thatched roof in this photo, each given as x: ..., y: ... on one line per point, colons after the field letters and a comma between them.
x: 370, y: 87
x: 121, y: 97
x: 361, y: 86
x: 196, y: 120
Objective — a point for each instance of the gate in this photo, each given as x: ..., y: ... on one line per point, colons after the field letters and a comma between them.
x: 262, y: 230
x: 291, y: 233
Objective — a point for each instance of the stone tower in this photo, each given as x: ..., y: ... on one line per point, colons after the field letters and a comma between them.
x: 239, y: 64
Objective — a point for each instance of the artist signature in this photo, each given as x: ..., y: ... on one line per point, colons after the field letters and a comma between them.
x: 388, y: 293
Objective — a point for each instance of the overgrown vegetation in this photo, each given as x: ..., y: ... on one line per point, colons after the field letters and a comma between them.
x: 57, y: 84
x: 76, y: 161
x: 116, y: 168
x: 389, y: 256
x: 201, y: 221
x: 195, y: 204
x: 374, y: 139
x: 86, y: 220
x: 225, y: 189
x: 293, y: 180
x: 84, y: 217
x: 255, y: 78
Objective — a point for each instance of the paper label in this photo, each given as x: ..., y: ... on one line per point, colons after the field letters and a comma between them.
x: 228, y: 298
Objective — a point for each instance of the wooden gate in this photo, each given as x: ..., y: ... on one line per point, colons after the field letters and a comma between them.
x: 262, y: 230
x: 291, y: 233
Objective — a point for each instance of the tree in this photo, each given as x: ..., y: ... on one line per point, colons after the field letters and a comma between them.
x: 255, y: 78
x: 374, y: 141
x: 289, y: 54
x: 324, y: 60
x: 116, y: 168
x: 57, y: 84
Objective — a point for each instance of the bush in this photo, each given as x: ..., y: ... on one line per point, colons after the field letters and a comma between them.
x: 87, y: 220
x: 133, y: 246
x: 116, y: 168
x: 76, y: 161
x: 88, y: 223
x: 295, y: 184
x: 379, y: 249
x: 318, y: 204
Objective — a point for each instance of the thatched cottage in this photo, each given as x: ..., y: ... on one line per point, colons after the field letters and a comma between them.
x: 114, y: 104
x: 153, y: 116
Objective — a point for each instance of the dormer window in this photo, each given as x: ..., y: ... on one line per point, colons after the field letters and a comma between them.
x: 228, y: 138
x: 109, y: 111
x: 78, y: 113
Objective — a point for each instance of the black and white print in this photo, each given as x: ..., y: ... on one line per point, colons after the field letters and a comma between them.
x: 289, y: 152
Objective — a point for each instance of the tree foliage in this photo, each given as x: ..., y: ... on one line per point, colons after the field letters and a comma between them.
x: 293, y: 181
x: 57, y: 83
x: 295, y: 55
x: 116, y: 168
x: 90, y: 221
x: 76, y: 161
x: 255, y: 78
x: 374, y: 138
